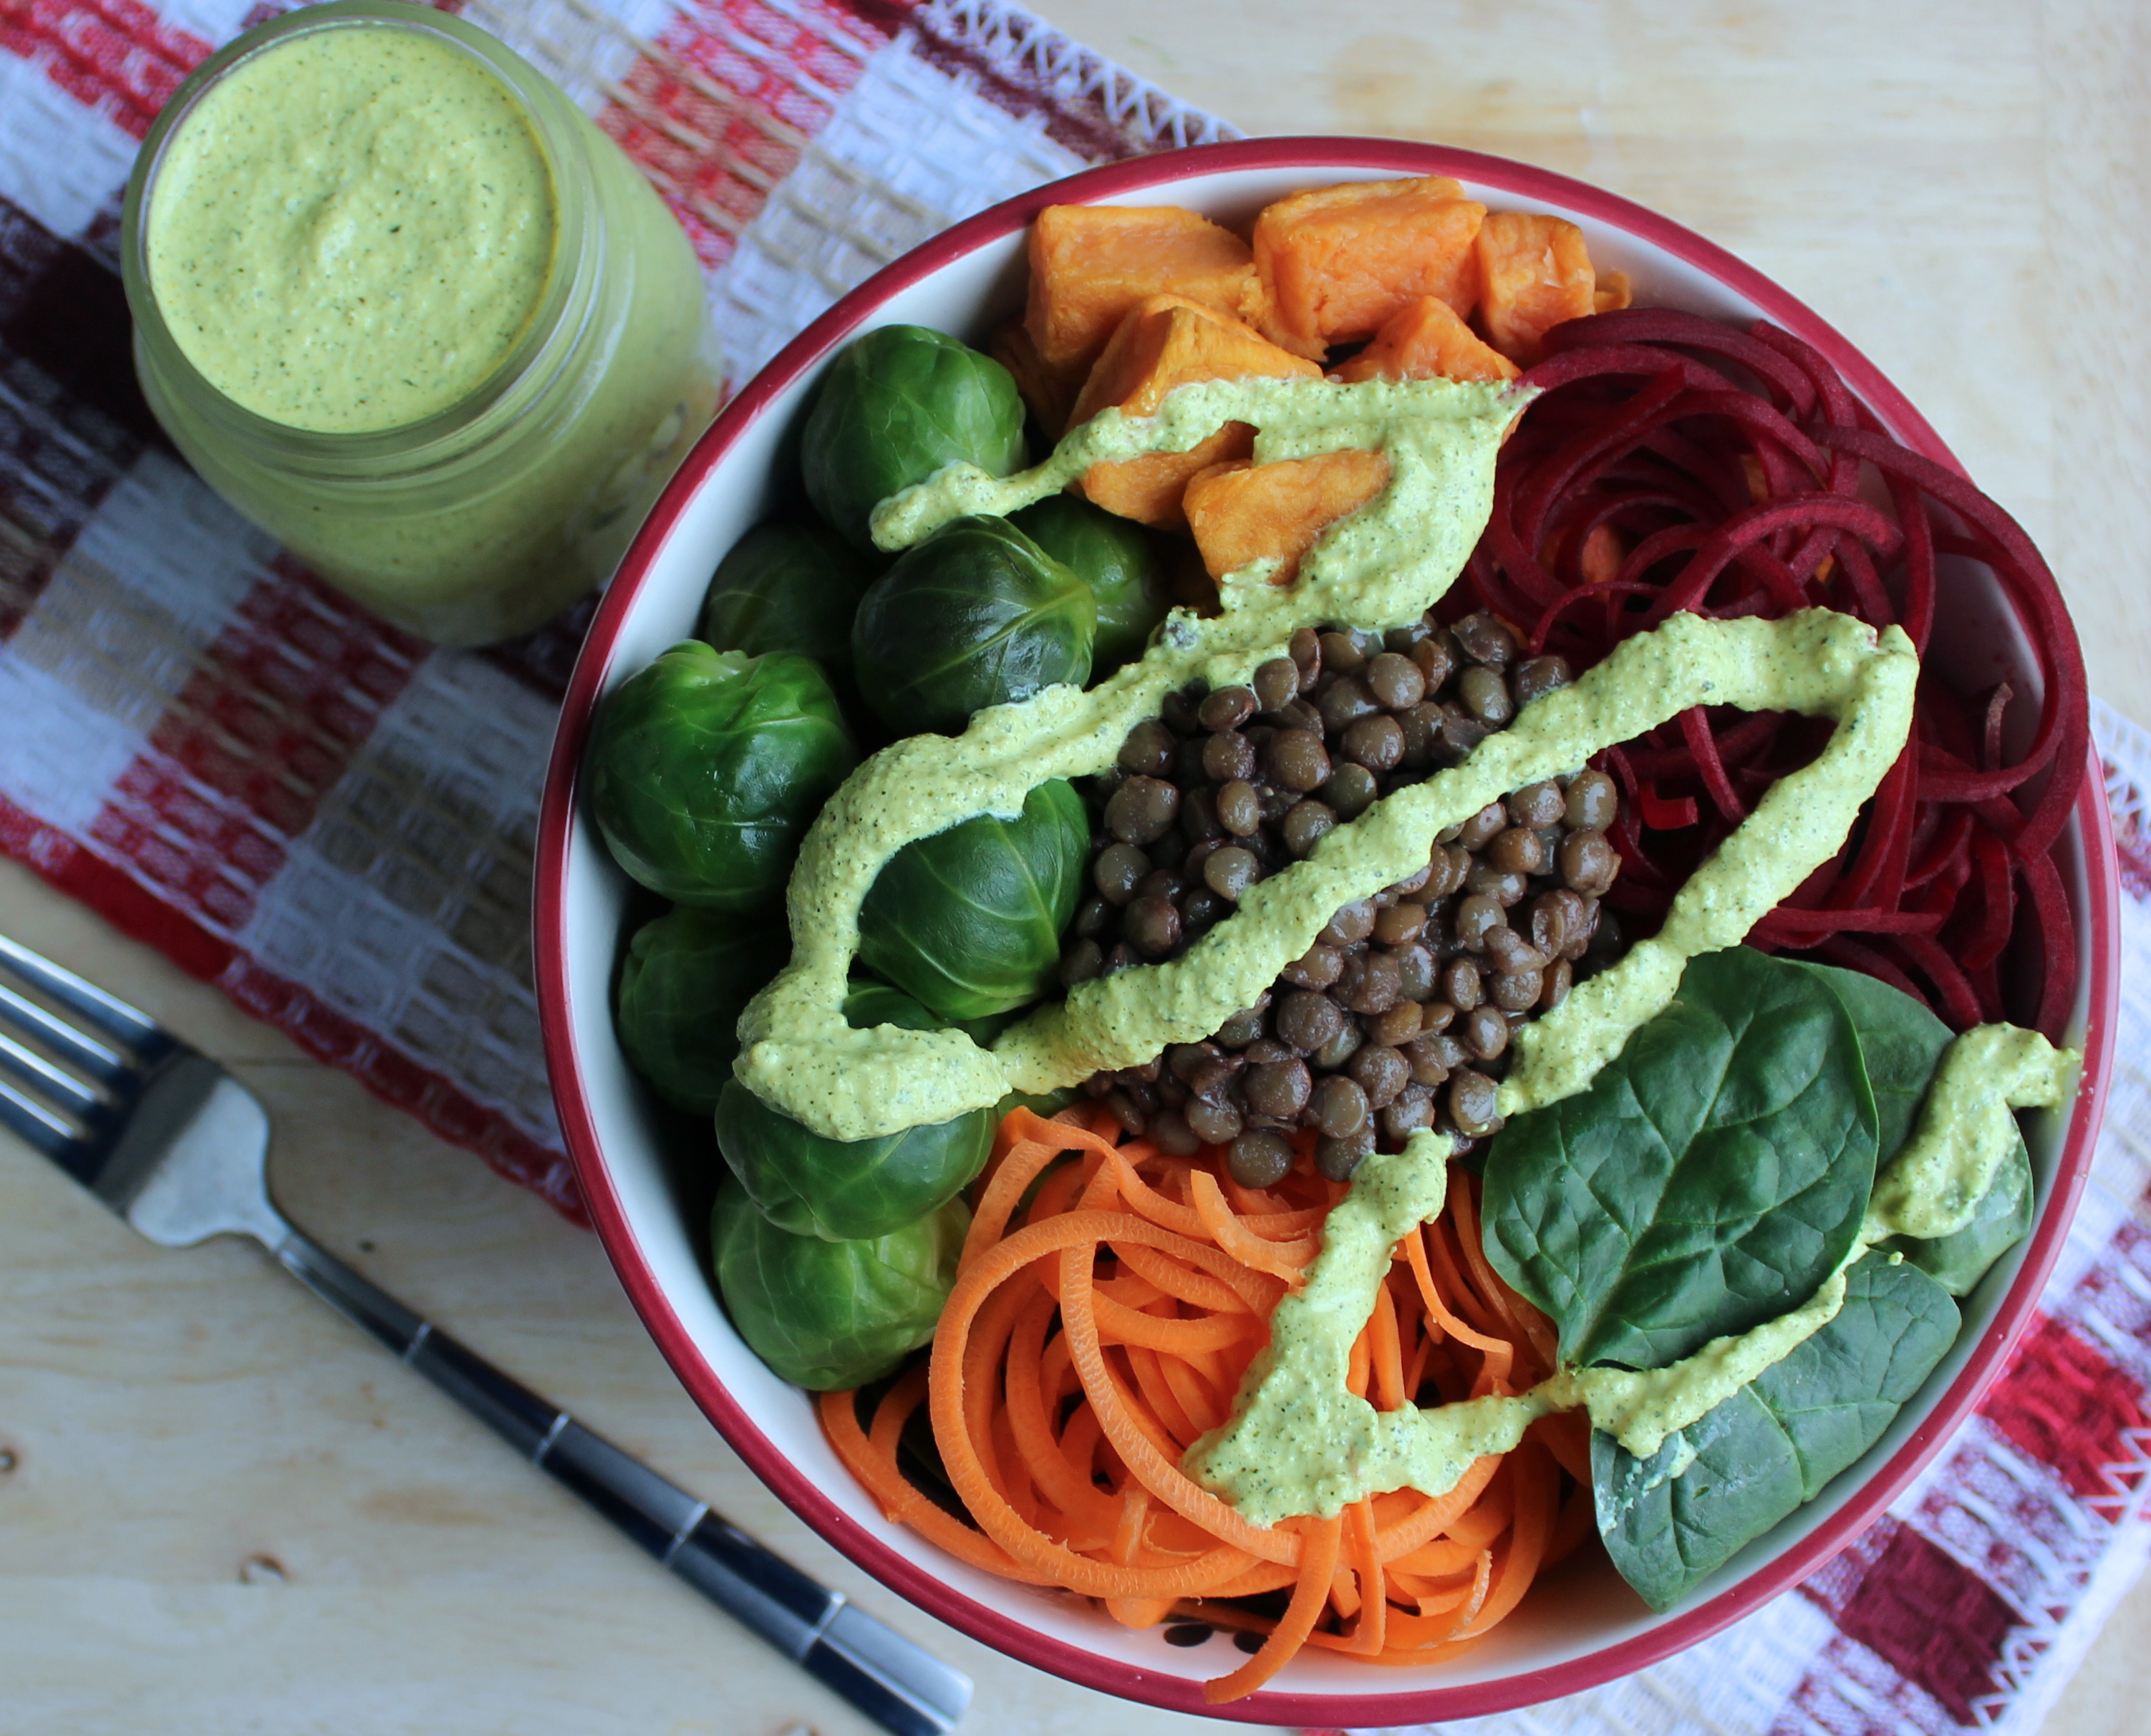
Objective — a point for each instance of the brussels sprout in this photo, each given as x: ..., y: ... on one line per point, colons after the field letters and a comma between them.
x: 706, y: 767
x: 896, y: 407
x: 1045, y: 1105
x: 975, y: 615
x: 685, y: 979
x: 1122, y: 562
x: 788, y: 588
x: 845, y: 1190
x: 828, y: 1315
x: 969, y: 920
x: 867, y: 1003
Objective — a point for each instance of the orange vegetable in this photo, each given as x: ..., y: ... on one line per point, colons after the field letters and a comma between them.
x: 1425, y: 340
x: 1336, y: 263
x: 1599, y: 559
x: 1091, y: 264
x: 1241, y: 512
x: 1122, y: 1285
x: 1169, y: 341
x: 1534, y: 273
x: 1050, y: 395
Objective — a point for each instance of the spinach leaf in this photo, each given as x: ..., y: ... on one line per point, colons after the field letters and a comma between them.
x: 1900, y: 1041
x: 2002, y: 1219
x: 1774, y: 1444
x: 1903, y: 1043
x: 1714, y: 1174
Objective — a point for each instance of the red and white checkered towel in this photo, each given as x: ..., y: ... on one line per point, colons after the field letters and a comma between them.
x: 334, y: 823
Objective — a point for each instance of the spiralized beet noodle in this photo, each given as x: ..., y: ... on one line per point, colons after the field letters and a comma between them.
x: 1677, y: 463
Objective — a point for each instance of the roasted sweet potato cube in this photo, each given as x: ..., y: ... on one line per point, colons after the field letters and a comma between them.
x: 1149, y: 489
x: 1336, y: 263
x: 1534, y: 272
x: 1241, y: 512
x: 1425, y: 339
x: 1050, y: 393
x: 1091, y: 264
x: 1166, y: 342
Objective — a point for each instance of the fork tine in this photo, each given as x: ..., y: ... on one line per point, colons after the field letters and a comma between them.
x: 36, y: 1124
x: 55, y: 1082
x: 104, y: 1062
x: 107, y: 1013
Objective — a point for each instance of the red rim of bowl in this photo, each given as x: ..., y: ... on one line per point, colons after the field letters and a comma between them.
x: 918, y: 1584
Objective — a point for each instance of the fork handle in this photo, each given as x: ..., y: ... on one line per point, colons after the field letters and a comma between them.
x: 900, y: 1687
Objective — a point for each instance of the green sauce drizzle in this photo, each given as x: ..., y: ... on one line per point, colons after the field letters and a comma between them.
x: 1965, y: 1131
x: 1382, y: 566
x: 1300, y: 1442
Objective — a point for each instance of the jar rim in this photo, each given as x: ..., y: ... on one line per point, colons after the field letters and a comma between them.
x: 540, y: 351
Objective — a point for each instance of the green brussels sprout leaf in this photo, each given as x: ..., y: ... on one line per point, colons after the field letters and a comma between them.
x: 1124, y: 563
x: 977, y: 614
x: 867, y: 1003
x: 1045, y: 1105
x: 705, y: 769
x: 829, y: 1315
x: 969, y: 920
x: 846, y: 1189
x: 683, y: 982
x: 788, y: 588
x: 899, y: 404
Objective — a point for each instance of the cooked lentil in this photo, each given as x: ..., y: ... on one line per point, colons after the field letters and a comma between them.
x: 1400, y: 1016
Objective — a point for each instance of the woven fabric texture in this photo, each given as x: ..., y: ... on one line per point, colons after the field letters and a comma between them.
x: 329, y: 819
x: 334, y: 823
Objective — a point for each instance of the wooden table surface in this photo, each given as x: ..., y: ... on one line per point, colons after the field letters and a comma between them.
x: 223, y: 1511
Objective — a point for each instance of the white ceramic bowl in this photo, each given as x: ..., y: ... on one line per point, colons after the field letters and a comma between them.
x: 1580, y: 1624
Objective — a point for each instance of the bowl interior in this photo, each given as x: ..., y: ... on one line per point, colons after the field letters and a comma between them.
x: 1581, y: 1623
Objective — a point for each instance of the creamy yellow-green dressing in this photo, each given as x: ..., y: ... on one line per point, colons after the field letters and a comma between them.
x: 1300, y: 1441
x: 1383, y: 565
x: 353, y: 229
x: 1965, y: 1131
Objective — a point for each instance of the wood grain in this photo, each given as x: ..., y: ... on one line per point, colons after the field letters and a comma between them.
x: 221, y: 1510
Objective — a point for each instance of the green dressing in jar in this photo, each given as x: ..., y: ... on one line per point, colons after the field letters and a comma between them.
x: 352, y: 230
x: 404, y: 306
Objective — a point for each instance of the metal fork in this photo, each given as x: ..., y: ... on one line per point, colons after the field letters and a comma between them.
x: 178, y: 1147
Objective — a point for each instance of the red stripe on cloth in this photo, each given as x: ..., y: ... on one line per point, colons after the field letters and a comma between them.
x: 72, y: 419
x: 112, y: 893
x: 2112, y: 1301
x: 262, y: 10
x: 403, y: 1084
x: 118, y: 57
x: 2062, y: 1401
x: 279, y: 703
x: 1072, y: 117
x: 718, y: 115
x: 121, y: 899
x: 1930, y: 1618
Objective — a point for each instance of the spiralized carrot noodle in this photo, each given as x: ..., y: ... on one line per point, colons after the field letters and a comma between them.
x: 1109, y: 1303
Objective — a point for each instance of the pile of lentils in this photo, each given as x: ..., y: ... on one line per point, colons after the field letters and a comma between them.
x: 1399, y: 1017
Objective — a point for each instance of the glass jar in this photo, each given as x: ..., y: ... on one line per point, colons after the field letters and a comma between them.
x: 481, y: 519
